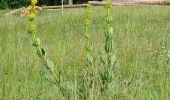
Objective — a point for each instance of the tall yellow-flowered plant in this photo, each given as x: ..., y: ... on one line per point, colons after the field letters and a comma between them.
x: 48, y: 64
x: 88, y: 80
x: 108, y: 58
x: 32, y: 27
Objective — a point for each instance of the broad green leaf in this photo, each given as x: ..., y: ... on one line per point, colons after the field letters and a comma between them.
x: 103, y: 58
x: 88, y: 45
x: 111, y: 31
x: 39, y: 54
x: 43, y: 51
x: 49, y: 65
x: 109, y: 18
x: 87, y: 35
x: 49, y: 77
x: 113, y: 60
x: 38, y: 41
x: 35, y: 44
x: 90, y: 58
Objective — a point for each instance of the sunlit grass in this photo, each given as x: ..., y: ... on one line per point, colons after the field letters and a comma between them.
x: 141, y: 36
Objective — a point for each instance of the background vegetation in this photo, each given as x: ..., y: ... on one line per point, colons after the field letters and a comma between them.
x: 4, y: 4
x: 141, y: 37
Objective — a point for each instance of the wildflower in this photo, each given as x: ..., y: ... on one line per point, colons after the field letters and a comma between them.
x: 32, y: 28
x: 31, y: 8
x: 88, y: 6
x: 108, y: 4
x: 32, y: 16
x: 34, y: 2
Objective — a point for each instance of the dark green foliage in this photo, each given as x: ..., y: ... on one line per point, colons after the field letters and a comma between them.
x: 5, y: 4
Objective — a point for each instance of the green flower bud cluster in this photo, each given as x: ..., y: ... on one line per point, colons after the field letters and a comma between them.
x: 108, y: 4
x: 109, y: 30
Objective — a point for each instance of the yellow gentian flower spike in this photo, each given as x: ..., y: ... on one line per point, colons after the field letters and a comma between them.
x: 34, y: 2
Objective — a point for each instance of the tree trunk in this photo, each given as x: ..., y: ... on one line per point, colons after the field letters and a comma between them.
x: 62, y: 4
x: 70, y: 2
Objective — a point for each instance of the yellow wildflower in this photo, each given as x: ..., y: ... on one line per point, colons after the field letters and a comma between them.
x: 32, y: 16
x: 34, y: 2
x: 32, y: 28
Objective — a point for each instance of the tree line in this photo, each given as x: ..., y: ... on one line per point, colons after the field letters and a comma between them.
x: 8, y: 4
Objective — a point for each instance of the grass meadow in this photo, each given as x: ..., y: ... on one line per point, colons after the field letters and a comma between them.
x: 141, y: 38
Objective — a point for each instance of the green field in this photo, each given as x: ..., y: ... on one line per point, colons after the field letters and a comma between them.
x: 141, y: 39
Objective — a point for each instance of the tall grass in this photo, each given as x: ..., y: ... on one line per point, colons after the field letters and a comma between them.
x: 142, y: 40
